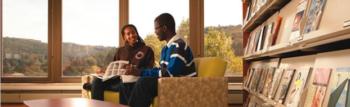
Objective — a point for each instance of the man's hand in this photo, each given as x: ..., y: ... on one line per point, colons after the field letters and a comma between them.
x: 132, y: 70
x: 164, y: 71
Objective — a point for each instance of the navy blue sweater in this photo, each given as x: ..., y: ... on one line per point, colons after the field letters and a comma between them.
x: 176, y: 60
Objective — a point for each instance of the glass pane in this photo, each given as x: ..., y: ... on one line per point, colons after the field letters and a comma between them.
x: 222, y: 33
x: 25, y: 36
x: 90, y: 31
x: 142, y: 15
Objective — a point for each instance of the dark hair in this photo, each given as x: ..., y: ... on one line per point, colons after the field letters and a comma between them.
x: 134, y: 27
x: 167, y: 20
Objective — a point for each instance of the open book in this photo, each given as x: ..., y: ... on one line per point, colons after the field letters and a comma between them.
x: 116, y: 68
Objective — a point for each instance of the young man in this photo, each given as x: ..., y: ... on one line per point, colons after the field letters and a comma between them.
x: 176, y: 61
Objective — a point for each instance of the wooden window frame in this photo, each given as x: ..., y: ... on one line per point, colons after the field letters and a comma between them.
x: 196, y: 39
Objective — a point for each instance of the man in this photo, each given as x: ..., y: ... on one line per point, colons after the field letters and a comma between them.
x: 176, y: 61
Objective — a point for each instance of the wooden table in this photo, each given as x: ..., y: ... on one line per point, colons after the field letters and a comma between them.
x: 70, y: 102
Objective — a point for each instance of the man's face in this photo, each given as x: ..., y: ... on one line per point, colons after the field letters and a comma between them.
x: 160, y: 31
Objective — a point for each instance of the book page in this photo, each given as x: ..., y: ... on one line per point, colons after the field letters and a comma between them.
x: 115, y: 68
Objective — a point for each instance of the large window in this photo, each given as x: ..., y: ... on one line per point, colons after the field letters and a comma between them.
x: 223, y: 34
x: 143, y: 13
x: 61, y: 40
x: 90, y: 33
x: 25, y: 38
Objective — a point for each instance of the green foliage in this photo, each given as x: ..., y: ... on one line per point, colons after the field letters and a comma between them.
x: 26, y: 57
x: 30, y: 57
x: 184, y: 29
x: 219, y: 41
x: 218, y: 44
x: 153, y: 42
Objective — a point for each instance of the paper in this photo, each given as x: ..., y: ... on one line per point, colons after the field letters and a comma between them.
x: 115, y: 68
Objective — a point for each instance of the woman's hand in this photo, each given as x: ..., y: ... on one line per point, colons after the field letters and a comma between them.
x: 100, y: 71
x: 132, y: 70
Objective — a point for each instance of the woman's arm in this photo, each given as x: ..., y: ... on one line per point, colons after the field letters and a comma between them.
x: 150, y: 58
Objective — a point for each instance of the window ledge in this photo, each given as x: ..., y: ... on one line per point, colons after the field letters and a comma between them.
x: 235, y: 86
x: 40, y: 86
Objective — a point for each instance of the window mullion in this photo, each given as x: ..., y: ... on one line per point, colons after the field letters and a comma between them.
x: 196, y: 38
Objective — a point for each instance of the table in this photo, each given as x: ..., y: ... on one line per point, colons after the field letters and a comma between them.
x: 70, y: 102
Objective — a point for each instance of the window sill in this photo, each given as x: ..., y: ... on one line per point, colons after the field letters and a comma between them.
x: 40, y: 86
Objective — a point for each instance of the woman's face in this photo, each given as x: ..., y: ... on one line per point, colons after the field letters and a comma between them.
x: 130, y: 36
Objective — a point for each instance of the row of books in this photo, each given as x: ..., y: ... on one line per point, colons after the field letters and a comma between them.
x: 295, y: 87
x: 306, y: 19
x: 253, y: 7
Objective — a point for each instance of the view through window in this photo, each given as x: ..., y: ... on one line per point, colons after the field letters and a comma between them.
x: 142, y: 15
x: 90, y: 33
x: 222, y: 33
x: 25, y: 38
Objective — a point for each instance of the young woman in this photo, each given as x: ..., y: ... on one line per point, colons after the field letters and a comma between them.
x: 137, y: 53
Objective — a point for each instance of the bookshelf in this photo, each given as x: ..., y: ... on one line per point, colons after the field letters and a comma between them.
x: 299, y: 39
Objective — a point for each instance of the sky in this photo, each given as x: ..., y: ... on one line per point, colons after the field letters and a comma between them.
x: 95, y: 22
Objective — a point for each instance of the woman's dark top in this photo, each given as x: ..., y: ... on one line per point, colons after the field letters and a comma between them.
x: 140, y: 55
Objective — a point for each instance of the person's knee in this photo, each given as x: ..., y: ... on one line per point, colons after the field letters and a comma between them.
x: 96, y: 83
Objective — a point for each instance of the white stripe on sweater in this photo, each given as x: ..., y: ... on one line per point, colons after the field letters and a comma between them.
x: 180, y: 57
x: 192, y: 74
x: 189, y: 64
x: 164, y: 62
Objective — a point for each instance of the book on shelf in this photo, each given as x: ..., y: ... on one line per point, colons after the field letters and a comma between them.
x: 296, y: 88
x: 283, y: 87
x: 252, y: 102
x: 247, y: 15
x: 268, y: 82
x: 276, y: 30
x: 254, y: 7
x: 338, y: 88
x: 262, y: 38
x: 275, y: 82
x: 314, y: 15
x: 268, y: 37
x: 261, y: 83
x: 317, y: 88
x: 261, y: 3
x: 246, y: 79
x: 247, y: 101
x: 255, y: 80
x: 257, y: 39
x: 321, y: 79
x: 297, y: 22
x: 246, y: 47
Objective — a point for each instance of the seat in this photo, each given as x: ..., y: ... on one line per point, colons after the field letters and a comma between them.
x: 207, y: 90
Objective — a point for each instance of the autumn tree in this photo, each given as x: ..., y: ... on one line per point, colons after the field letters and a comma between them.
x: 219, y: 41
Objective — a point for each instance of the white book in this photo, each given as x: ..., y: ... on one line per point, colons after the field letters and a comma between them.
x: 116, y: 68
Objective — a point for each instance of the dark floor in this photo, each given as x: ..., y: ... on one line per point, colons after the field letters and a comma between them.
x: 13, y: 105
x: 22, y: 105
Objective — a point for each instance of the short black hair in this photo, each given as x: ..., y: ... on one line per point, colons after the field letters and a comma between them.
x: 166, y: 19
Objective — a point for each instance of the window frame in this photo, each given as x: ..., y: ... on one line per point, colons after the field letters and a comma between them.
x: 49, y: 77
x: 196, y: 42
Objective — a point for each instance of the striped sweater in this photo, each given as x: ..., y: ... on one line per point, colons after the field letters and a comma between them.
x: 176, y: 60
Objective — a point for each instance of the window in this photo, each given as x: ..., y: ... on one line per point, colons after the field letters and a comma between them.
x: 25, y: 38
x: 223, y: 34
x: 143, y: 13
x: 90, y: 33
x: 32, y: 40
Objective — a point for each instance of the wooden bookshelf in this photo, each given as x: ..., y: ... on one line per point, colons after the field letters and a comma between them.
x: 267, y: 102
x: 326, y: 45
x: 311, y: 44
x: 264, y: 13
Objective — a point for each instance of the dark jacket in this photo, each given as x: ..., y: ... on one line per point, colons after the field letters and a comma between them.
x: 141, y: 60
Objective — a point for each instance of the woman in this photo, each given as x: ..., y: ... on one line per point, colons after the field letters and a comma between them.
x: 137, y: 53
